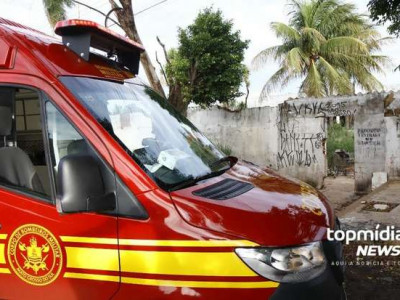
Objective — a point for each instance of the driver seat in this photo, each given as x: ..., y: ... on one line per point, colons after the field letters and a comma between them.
x: 16, y: 168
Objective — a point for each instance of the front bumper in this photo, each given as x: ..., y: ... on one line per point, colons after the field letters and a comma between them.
x: 327, y: 286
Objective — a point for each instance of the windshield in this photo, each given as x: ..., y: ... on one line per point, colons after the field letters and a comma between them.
x: 164, y: 143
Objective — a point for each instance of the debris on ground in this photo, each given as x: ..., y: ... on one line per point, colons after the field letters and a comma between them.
x: 379, y: 206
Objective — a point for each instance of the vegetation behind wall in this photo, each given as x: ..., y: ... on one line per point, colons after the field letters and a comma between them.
x: 339, y: 137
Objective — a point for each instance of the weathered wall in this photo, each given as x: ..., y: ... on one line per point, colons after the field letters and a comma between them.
x: 392, y: 159
x: 305, y: 121
x: 301, y: 147
x: 369, y: 141
x: 251, y: 133
x: 269, y: 136
x: 291, y: 137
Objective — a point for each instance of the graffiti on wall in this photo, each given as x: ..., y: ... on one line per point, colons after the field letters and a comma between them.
x: 298, y: 149
x: 327, y: 108
x: 398, y: 128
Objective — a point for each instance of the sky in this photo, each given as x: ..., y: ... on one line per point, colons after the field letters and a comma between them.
x: 251, y: 17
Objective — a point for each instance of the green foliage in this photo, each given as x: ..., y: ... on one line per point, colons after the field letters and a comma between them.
x: 225, y: 149
x: 339, y: 138
x: 386, y: 11
x: 55, y: 9
x: 236, y: 106
x: 327, y: 45
x: 207, y: 64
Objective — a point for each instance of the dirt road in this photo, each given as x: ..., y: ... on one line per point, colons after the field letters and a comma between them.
x: 367, y: 278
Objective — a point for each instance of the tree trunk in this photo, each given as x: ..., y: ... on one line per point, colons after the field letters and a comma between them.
x: 176, y: 99
x: 127, y: 21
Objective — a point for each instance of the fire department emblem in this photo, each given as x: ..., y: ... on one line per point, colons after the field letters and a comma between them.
x: 35, y: 255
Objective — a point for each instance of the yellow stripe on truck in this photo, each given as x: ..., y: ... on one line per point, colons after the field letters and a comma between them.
x: 92, y: 258
x: 92, y: 276
x: 158, y: 262
x: 200, y: 284
x: 167, y: 243
x: 175, y: 283
x: 89, y: 240
x: 188, y: 243
x: 2, y: 257
x: 4, y: 271
x: 216, y: 264
x: 184, y: 263
x: 3, y: 236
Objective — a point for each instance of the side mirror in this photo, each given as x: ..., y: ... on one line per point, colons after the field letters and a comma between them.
x: 81, y: 186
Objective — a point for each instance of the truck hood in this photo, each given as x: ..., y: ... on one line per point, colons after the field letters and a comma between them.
x: 272, y: 211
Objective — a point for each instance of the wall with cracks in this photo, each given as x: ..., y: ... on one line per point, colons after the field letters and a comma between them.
x: 291, y: 137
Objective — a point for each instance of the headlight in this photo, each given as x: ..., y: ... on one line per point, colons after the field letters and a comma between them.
x: 292, y: 264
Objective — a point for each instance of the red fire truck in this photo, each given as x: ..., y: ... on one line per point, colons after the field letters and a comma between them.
x: 107, y: 192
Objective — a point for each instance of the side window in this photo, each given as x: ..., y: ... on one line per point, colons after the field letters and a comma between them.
x: 22, y: 156
x: 65, y: 140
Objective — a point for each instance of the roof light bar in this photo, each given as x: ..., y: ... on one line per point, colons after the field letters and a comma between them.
x: 80, y: 35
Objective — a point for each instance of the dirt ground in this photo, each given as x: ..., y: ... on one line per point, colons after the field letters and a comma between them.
x: 339, y: 191
x: 368, y: 282
x: 376, y: 278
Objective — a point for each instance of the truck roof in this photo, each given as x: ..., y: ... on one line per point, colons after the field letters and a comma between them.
x: 5, y: 22
x: 28, y: 51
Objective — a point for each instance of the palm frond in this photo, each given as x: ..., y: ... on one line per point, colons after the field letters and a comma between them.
x: 379, y: 61
x: 274, y: 52
x: 312, y: 85
x: 367, y: 81
x: 340, y: 20
x: 55, y: 9
x: 313, y: 33
x: 311, y: 40
x: 279, y: 78
x: 344, y: 44
x: 296, y: 60
x: 337, y: 82
x: 285, y: 32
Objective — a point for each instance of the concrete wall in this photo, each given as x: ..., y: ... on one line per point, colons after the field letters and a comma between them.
x: 392, y: 142
x: 293, y: 145
x: 301, y: 148
x: 369, y: 141
x: 251, y: 133
x: 291, y: 137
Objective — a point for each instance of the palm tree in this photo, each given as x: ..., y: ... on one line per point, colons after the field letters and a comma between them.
x: 55, y: 10
x: 327, y: 45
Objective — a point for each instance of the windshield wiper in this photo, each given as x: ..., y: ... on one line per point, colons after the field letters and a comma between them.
x: 231, y: 159
x: 192, y: 181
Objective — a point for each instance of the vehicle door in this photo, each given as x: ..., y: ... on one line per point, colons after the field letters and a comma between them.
x: 45, y: 253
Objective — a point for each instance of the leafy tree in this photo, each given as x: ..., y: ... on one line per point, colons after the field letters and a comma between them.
x: 205, y: 68
x: 55, y: 10
x: 207, y: 65
x: 327, y: 45
x: 386, y: 11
